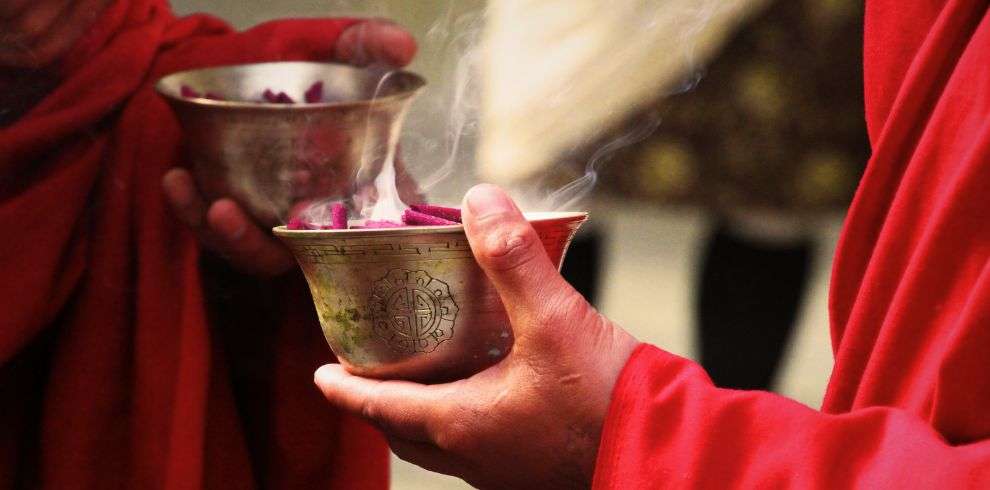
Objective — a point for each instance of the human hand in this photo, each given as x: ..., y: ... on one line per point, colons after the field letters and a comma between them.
x: 223, y: 226
x: 534, y: 419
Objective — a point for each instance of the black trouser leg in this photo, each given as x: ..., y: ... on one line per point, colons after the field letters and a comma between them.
x: 747, y: 303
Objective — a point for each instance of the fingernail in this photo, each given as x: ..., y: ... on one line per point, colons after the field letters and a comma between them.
x: 319, y: 373
x: 487, y: 200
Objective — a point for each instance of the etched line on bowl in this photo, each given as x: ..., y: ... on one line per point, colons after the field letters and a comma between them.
x: 321, y: 252
x: 326, y: 253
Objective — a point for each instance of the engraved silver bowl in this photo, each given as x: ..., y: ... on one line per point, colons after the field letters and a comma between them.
x: 272, y: 158
x: 412, y: 303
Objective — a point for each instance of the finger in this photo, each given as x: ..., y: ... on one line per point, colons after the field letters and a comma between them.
x: 182, y: 195
x: 427, y: 456
x: 243, y: 242
x: 406, y: 410
x: 375, y: 41
x: 509, y: 251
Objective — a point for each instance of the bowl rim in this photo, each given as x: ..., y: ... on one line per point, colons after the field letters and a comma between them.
x: 536, y: 217
x: 418, y: 84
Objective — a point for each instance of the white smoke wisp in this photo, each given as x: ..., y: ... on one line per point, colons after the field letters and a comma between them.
x: 571, y: 72
x: 443, y: 128
x: 462, y: 121
x: 697, y: 17
x: 442, y: 133
x: 571, y: 195
x: 317, y: 212
x: 385, y: 203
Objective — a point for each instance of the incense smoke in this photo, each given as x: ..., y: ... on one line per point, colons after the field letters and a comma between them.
x: 387, y: 205
x: 440, y: 136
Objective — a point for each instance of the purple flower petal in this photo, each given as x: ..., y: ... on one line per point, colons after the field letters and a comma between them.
x: 279, y: 98
x: 315, y: 93
x: 189, y: 92
x: 449, y: 214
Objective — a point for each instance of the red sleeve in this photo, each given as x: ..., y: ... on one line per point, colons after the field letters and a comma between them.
x: 668, y: 426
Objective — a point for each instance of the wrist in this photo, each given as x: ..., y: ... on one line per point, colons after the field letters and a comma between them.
x: 616, y: 348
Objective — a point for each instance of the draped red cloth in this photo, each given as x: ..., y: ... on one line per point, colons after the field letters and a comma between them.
x: 117, y: 369
x: 908, y: 403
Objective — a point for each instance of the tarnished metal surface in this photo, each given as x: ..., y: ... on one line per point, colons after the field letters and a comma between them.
x: 271, y: 157
x: 412, y: 303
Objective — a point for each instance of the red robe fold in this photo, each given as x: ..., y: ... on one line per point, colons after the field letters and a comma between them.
x: 118, y: 368
x: 908, y: 404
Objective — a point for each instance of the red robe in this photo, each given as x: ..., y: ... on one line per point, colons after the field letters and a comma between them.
x: 908, y: 404
x: 111, y: 374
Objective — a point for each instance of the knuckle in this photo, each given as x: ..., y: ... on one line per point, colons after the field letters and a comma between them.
x: 512, y: 247
x: 370, y: 408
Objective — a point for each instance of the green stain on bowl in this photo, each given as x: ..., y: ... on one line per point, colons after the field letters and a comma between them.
x: 345, y: 328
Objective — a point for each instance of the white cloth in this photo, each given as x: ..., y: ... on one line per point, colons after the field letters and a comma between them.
x: 558, y: 73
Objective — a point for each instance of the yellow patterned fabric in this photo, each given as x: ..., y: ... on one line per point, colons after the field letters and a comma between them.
x: 776, y: 122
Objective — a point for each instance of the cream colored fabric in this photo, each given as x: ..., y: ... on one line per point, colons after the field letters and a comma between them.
x: 558, y: 73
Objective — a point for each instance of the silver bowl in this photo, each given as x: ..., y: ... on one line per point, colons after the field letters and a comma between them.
x: 412, y: 303
x: 273, y: 158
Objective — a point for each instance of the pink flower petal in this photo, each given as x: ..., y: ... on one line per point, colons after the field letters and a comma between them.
x: 416, y: 218
x: 381, y: 224
x: 296, y: 224
x: 338, y: 216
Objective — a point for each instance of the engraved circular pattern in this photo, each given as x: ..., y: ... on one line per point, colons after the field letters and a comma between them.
x: 412, y: 311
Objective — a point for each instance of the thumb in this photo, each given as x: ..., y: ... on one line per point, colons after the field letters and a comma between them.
x: 509, y: 251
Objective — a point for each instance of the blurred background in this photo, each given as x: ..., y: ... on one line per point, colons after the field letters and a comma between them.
x: 714, y: 235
